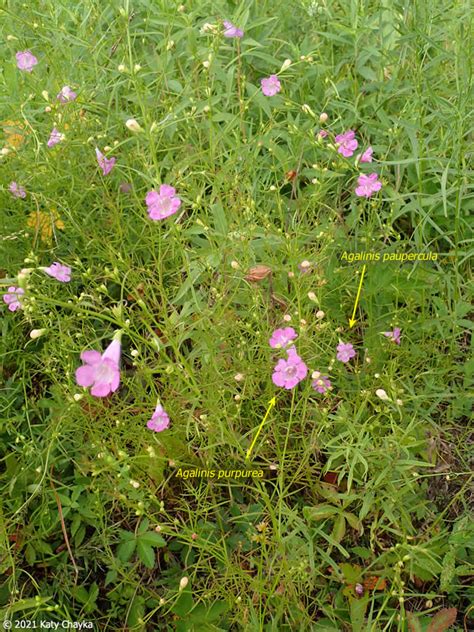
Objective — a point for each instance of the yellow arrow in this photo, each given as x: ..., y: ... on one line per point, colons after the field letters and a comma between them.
x: 271, y: 403
x: 352, y: 321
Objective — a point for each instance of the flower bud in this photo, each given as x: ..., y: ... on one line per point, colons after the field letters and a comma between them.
x: 183, y: 583
x: 286, y: 64
x: 382, y: 394
x: 258, y: 273
x: 36, y: 333
x: 133, y: 126
x: 323, y: 117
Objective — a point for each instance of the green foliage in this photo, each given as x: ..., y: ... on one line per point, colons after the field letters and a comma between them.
x: 361, y: 520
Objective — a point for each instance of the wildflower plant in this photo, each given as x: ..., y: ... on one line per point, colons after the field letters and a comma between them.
x: 189, y: 193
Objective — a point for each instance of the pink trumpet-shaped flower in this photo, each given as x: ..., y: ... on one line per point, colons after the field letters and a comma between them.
x: 159, y: 420
x: 320, y: 383
x: 102, y: 372
x: 393, y: 335
x: 66, y: 95
x: 13, y: 298
x: 368, y: 185
x: 282, y: 337
x: 270, y: 86
x: 288, y: 373
x: 162, y: 204
x: 25, y: 60
x: 345, y: 351
x: 58, y: 272
x: 366, y: 156
x: 55, y: 137
x: 17, y: 190
x: 230, y: 30
x: 106, y: 164
x: 346, y: 143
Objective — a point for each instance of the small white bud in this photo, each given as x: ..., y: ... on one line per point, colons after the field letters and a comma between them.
x: 77, y: 397
x: 286, y: 64
x: 133, y: 125
x: 137, y: 68
x: 323, y: 117
x: 122, y: 68
x: 206, y: 64
x: 183, y: 583
x: 320, y: 314
x: 36, y: 333
x: 234, y: 265
x: 382, y: 394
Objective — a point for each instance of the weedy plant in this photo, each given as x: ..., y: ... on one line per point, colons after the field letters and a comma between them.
x: 183, y: 188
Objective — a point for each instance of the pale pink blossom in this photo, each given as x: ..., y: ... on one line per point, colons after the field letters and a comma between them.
x: 25, y: 60
x: 101, y: 371
x: 159, y: 420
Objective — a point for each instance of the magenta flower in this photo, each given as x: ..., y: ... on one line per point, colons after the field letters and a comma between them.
x: 58, y: 272
x: 162, y: 204
x: 102, y: 372
x: 282, y: 337
x: 393, y: 335
x: 231, y: 30
x: 368, y: 185
x: 55, y: 137
x: 66, y: 95
x: 25, y: 60
x: 323, y: 133
x: 17, y: 190
x: 346, y: 143
x: 106, y: 164
x: 288, y: 373
x: 270, y: 86
x: 345, y: 351
x: 366, y: 156
x: 320, y: 383
x: 159, y: 420
x: 13, y: 298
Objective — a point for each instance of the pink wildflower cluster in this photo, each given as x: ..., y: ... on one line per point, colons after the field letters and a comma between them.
x: 347, y: 143
x: 101, y: 373
x: 292, y: 370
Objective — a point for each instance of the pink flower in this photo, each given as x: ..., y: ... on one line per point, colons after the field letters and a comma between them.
x: 345, y: 351
x: 106, y: 164
x: 102, y: 372
x: 58, y: 272
x: 13, y: 298
x: 366, y: 156
x: 159, y: 420
x: 368, y: 185
x: 346, y: 143
x: 393, y: 335
x: 270, y: 86
x: 288, y: 373
x: 282, y: 337
x: 55, y: 137
x: 323, y: 133
x: 66, y: 95
x: 320, y: 383
x: 162, y: 204
x: 231, y: 30
x: 17, y: 190
x: 25, y: 60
